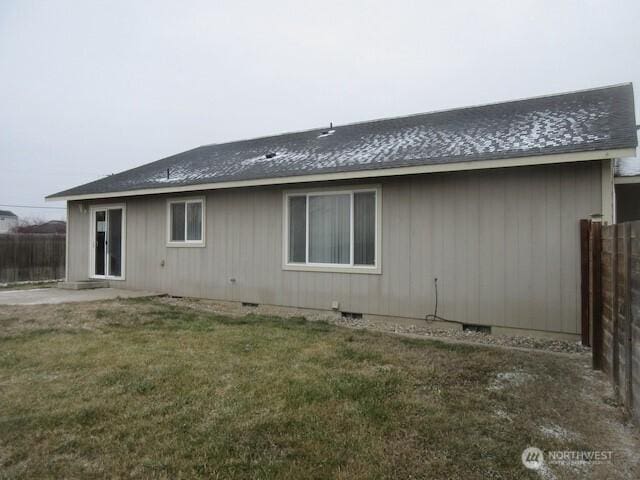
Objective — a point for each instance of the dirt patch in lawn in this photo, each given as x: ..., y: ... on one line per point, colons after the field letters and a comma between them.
x: 73, y: 317
x: 150, y: 388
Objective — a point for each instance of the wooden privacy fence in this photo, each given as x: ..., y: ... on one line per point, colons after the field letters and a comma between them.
x: 25, y: 257
x: 614, y: 308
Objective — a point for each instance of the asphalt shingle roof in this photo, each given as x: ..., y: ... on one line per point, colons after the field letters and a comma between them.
x: 597, y: 119
x: 627, y: 167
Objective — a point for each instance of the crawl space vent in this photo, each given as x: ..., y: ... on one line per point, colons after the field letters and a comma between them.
x: 477, y: 328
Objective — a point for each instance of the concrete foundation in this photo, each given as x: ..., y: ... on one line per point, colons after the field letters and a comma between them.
x: 84, y: 285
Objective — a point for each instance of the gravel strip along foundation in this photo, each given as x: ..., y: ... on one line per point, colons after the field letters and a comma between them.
x: 548, y: 344
x: 418, y: 330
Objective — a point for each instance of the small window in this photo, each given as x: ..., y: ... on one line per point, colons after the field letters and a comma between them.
x: 332, y: 231
x: 186, y: 222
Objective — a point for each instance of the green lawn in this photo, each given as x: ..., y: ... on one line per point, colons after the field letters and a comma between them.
x: 145, y: 389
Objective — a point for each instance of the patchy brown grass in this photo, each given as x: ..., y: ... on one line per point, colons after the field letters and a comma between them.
x: 144, y: 388
x: 28, y: 285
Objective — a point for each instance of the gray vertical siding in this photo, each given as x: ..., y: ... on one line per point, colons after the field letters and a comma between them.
x: 503, y: 244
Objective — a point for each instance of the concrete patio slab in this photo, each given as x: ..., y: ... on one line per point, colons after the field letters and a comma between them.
x: 39, y: 296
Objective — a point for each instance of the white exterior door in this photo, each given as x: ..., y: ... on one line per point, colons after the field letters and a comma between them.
x: 107, y: 242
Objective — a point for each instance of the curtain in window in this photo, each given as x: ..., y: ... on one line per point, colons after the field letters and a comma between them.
x: 364, y: 228
x: 297, y: 229
x: 194, y: 221
x: 177, y: 222
x: 329, y: 229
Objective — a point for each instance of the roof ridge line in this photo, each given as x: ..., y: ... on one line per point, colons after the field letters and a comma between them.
x: 397, y: 117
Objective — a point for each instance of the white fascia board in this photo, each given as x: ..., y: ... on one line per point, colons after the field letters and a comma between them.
x: 623, y: 180
x: 374, y: 173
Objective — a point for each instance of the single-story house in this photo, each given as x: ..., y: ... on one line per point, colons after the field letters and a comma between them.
x: 8, y: 221
x: 363, y: 218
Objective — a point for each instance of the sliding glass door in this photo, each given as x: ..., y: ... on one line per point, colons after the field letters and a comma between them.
x: 107, y: 242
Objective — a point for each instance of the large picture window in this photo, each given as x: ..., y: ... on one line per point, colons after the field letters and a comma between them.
x: 185, y: 219
x: 333, y: 230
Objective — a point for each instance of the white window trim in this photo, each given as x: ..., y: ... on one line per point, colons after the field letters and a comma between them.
x: 330, y: 267
x: 186, y: 243
x: 92, y: 240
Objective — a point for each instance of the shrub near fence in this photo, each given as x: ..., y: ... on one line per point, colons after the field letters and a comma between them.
x: 621, y: 311
x: 25, y: 257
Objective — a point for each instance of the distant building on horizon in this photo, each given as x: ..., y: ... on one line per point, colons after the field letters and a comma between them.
x: 52, y: 226
x: 8, y: 221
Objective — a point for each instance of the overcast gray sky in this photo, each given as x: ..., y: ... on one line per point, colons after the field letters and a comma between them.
x: 89, y: 88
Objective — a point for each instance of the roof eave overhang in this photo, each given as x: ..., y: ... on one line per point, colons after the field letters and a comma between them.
x: 373, y: 173
x: 627, y: 180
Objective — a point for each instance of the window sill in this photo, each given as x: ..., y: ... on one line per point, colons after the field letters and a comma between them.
x: 332, y: 269
x: 186, y: 245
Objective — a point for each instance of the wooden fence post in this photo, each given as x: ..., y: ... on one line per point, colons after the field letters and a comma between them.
x: 596, y: 293
x: 585, y: 232
x: 615, y: 367
x: 634, y: 322
x: 614, y: 308
x: 627, y: 347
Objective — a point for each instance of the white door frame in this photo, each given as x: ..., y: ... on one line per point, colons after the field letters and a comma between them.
x: 92, y: 239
